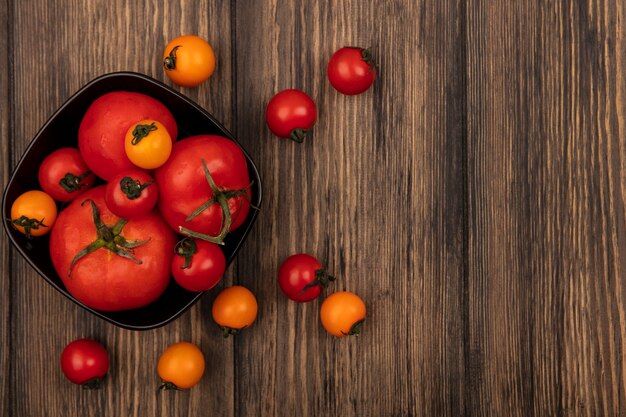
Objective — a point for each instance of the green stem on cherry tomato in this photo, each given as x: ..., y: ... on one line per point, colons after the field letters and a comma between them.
x: 71, y: 182
x: 186, y: 248
x: 227, y: 331
x: 298, y: 135
x: 167, y: 386
x: 28, y: 224
x: 141, y: 131
x: 169, y: 63
x: 94, y: 383
x: 355, y: 330
x: 109, y: 238
x: 366, y: 55
x: 133, y: 188
x: 322, y: 278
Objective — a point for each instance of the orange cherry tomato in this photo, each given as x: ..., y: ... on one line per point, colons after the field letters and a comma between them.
x: 342, y: 314
x: 234, y: 309
x: 148, y: 144
x: 181, y: 366
x: 188, y: 60
x: 33, y: 213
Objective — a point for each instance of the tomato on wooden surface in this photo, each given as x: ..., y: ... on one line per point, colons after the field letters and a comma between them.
x: 188, y: 60
x: 103, y: 129
x: 33, y: 213
x: 148, y: 144
x: 234, y: 309
x: 290, y: 114
x: 342, y: 314
x: 85, y: 362
x: 109, y: 263
x: 131, y: 193
x: 198, y: 265
x: 351, y: 70
x: 301, y: 277
x: 204, y: 187
x: 181, y: 366
x: 64, y: 175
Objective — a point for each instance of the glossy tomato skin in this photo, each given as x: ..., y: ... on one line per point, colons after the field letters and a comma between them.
x: 295, y: 273
x: 341, y: 312
x: 40, y: 210
x: 119, y: 201
x: 84, y: 360
x: 64, y: 175
x: 206, y: 268
x: 103, y: 129
x: 181, y: 366
x: 103, y: 280
x: 188, y: 60
x: 349, y: 72
x: 183, y: 186
x: 289, y: 110
x: 234, y: 309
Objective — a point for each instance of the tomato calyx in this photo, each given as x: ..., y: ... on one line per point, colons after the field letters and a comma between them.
x: 28, y: 224
x: 168, y: 386
x: 355, y: 330
x: 141, y: 131
x: 298, y: 135
x: 227, y: 331
x: 133, y: 188
x: 366, y: 55
x: 221, y: 197
x: 94, y: 383
x: 109, y: 238
x: 169, y: 63
x: 322, y: 278
x: 186, y: 248
x: 71, y: 182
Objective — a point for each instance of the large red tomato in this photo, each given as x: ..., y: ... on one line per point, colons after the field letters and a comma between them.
x: 125, y: 264
x: 189, y: 203
x: 104, y: 126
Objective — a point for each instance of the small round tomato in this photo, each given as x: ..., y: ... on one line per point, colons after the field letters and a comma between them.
x: 188, y: 60
x: 342, y: 314
x: 148, y: 144
x: 301, y: 277
x: 131, y: 194
x: 290, y: 114
x: 199, y: 266
x: 181, y: 366
x: 234, y: 309
x: 64, y: 175
x: 85, y: 362
x: 33, y: 213
x: 351, y: 70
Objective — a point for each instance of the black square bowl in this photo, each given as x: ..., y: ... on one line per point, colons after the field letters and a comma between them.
x: 61, y: 130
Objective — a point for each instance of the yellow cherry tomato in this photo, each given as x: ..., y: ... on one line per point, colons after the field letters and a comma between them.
x: 148, y: 144
x: 181, y: 366
x: 234, y: 309
x: 188, y: 60
x: 342, y: 314
x: 33, y: 213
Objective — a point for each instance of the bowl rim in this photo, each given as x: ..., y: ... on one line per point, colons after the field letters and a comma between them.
x: 250, y: 162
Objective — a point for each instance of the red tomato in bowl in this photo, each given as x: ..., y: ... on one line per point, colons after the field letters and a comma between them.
x: 187, y: 200
x: 131, y: 194
x: 64, y: 175
x: 198, y: 265
x: 109, y: 263
x: 103, y: 129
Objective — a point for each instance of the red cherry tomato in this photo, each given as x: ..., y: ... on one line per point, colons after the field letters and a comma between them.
x: 131, y: 193
x: 290, y: 114
x: 199, y: 265
x: 351, y: 70
x: 301, y: 277
x: 85, y: 362
x: 64, y: 175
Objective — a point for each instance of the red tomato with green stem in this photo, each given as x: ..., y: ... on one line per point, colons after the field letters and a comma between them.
x: 85, y: 362
x: 131, y: 194
x: 64, y: 175
x: 110, y: 263
x: 351, y: 70
x: 290, y: 114
x: 301, y: 277
x: 198, y: 265
x: 204, y: 187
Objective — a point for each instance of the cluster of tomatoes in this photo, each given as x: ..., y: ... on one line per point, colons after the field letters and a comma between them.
x: 115, y: 246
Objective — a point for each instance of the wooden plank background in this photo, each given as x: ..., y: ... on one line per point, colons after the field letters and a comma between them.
x: 473, y: 197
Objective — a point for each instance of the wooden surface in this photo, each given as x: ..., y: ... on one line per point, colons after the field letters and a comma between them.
x: 474, y: 197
